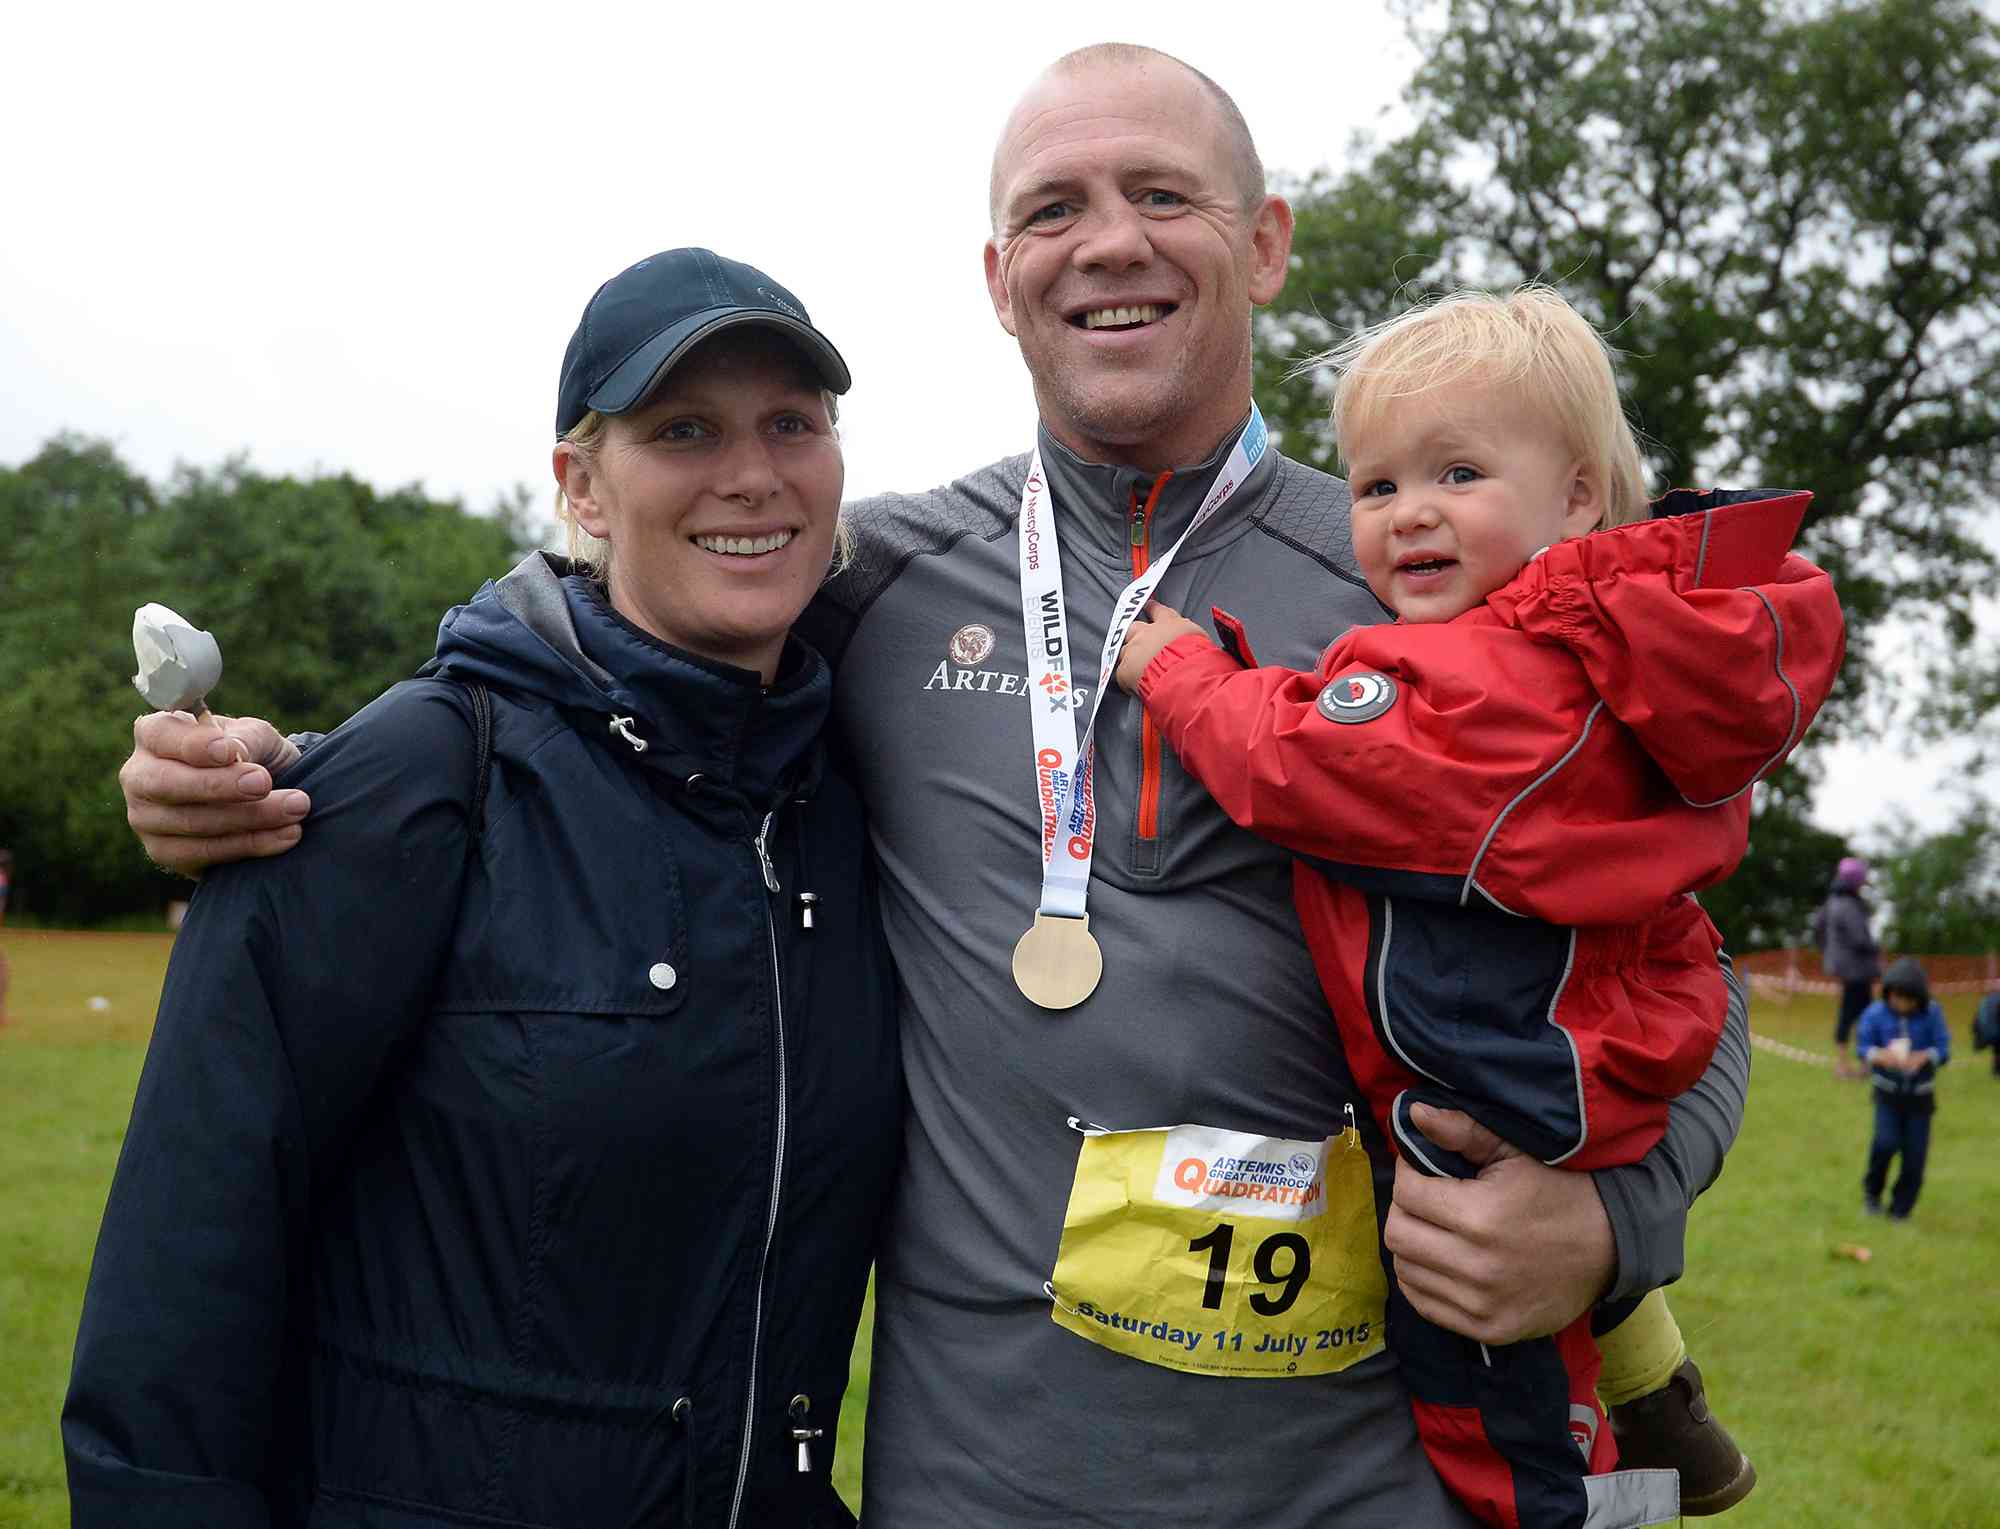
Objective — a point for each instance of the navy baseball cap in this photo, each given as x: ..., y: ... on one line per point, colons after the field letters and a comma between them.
x: 639, y: 324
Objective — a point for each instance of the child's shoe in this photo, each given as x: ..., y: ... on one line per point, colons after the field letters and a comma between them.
x: 1672, y: 1429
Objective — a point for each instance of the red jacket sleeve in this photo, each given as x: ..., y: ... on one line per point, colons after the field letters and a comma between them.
x: 1702, y: 635
x: 1481, y: 760
x: 1465, y: 756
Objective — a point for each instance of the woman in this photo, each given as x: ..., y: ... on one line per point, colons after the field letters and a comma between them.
x: 512, y: 1152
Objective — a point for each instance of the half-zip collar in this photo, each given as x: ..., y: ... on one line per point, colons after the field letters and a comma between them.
x: 1107, y: 494
x: 548, y: 631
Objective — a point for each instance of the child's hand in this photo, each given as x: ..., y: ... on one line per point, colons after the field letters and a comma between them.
x: 1156, y: 626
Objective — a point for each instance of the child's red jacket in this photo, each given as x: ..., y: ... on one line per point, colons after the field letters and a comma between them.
x: 1500, y: 819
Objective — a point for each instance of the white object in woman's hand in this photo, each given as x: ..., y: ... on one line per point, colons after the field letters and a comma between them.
x: 178, y: 662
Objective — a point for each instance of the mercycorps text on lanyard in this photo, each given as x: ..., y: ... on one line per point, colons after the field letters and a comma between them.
x: 1057, y: 962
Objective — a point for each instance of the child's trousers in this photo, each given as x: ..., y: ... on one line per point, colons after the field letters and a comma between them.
x: 1516, y: 1431
x: 1897, y: 1131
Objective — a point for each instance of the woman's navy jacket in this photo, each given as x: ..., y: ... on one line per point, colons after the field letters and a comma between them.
x: 525, y: 1173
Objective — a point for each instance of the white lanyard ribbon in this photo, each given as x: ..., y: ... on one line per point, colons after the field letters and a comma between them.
x: 1063, y: 761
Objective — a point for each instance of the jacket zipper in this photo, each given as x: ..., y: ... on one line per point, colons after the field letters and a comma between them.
x: 777, y: 1168
x: 1149, y: 736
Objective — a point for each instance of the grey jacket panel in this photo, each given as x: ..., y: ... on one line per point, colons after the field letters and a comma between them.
x: 982, y: 1410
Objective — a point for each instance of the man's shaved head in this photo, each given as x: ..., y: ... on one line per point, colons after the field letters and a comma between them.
x: 1247, y: 169
x: 1126, y: 181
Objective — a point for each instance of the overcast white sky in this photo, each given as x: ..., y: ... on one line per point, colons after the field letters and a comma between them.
x: 357, y: 237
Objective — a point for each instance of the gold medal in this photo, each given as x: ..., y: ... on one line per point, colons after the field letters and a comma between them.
x: 1057, y: 962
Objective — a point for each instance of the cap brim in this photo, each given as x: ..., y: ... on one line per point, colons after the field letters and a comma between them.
x: 641, y: 372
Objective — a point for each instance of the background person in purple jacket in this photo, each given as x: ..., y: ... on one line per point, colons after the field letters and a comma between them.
x: 1844, y: 931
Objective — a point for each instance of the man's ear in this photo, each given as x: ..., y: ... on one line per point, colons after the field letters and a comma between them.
x: 996, y: 288
x: 1270, y: 249
x: 1585, y: 504
x: 578, y: 485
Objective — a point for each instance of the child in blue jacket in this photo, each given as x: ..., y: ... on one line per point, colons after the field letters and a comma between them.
x: 1904, y: 1041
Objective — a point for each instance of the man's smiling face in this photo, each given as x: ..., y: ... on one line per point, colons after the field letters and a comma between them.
x: 1126, y: 262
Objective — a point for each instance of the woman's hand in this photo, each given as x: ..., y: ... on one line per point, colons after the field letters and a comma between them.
x: 1155, y: 627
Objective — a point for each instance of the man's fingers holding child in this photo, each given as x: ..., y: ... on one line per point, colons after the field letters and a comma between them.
x: 1515, y: 1253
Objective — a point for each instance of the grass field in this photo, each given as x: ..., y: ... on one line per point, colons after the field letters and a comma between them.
x: 1864, y: 1391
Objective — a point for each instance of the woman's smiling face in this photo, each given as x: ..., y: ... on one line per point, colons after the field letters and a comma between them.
x: 719, y: 496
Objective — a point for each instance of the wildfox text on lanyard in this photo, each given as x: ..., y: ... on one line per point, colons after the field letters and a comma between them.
x: 1057, y: 962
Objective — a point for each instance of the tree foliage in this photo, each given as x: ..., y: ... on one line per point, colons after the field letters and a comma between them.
x: 1768, y: 903
x: 1944, y: 888
x: 1786, y: 215
x: 321, y: 592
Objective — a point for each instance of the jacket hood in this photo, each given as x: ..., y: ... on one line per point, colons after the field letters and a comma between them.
x: 1906, y: 976
x: 546, y: 631
x: 1644, y: 605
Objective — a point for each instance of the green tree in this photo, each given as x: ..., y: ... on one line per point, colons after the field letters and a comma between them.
x: 1787, y: 216
x: 322, y: 593
x: 1943, y: 888
x: 1768, y: 904
x: 74, y: 520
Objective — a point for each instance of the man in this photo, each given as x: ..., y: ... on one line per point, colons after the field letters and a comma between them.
x: 1132, y: 237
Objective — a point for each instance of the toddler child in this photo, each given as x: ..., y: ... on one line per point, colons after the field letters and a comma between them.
x: 1501, y: 807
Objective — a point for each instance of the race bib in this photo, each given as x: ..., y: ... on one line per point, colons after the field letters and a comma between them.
x: 1222, y: 1253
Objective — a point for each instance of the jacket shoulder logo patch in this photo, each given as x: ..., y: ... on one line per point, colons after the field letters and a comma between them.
x: 1357, y: 698
x: 971, y: 643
